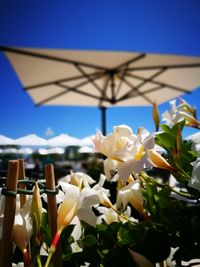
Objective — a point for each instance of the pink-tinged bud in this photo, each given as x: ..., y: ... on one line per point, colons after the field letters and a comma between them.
x: 56, y: 239
x: 156, y: 117
x: 66, y: 213
x: 159, y: 161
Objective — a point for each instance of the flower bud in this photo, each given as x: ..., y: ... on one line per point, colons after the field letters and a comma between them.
x: 159, y: 161
x: 156, y: 117
x: 36, y: 211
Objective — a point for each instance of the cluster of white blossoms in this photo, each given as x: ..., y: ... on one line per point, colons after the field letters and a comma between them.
x: 127, y: 154
x: 180, y: 112
x: 82, y: 199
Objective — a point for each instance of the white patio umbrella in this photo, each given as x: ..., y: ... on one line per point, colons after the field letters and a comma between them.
x: 56, y: 150
x: 4, y: 140
x: 102, y: 78
x: 25, y: 150
x: 195, y: 138
x: 86, y: 149
x: 31, y: 140
x: 43, y: 151
x: 10, y: 150
x: 87, y: 141
x: 63, y: 140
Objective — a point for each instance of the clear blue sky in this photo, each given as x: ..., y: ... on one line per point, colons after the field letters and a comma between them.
x: 170, y: 26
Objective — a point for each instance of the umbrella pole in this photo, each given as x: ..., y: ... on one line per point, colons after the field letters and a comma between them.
x: 103, y: 120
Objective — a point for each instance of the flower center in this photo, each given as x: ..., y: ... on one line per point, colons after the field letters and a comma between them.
x: 140, y: 153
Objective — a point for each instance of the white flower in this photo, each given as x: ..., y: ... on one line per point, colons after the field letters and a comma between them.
x: 138, y: 157
x: 126, y: 152
x: 131, y: 193
x: 88, y: 198
x: 110, y: 167
x: 76, y: 234
x: 108, y: 215
x: 109, y: 145
x: 20, y: 264
x: 183, y: 111
x: 195, y: 180
x: 79, y: 179
x: 84, y: 200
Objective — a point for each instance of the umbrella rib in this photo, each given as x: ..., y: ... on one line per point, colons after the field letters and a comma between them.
x: 140, y: 56
x: 35, y: 86
x: 144, y: 81
x: 100, y: 75
x: 159, y: 83
x: 177, y: 66
x: 48, y: 57
x: 76, y: 90
x: 88, y: 77
x: 137, y: 92
x: 67, y: 90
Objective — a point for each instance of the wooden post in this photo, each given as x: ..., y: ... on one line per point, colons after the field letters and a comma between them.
x: 52, y: 212
x: 9, y: 214
x: 23, y: 186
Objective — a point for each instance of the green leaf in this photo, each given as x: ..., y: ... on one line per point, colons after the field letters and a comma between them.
x: 166, y: 128
x: 176, y: 127
x: 166, y: 140
x: 88, y: 241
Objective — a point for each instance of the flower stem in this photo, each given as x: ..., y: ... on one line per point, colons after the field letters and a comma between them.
x: 49, y: 258
x: 38, y: 259
x: 53, y: 247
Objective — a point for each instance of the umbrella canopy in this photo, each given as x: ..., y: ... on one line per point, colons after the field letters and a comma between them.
x: 55, y: 150
x: 96, y: 78
x: 6, y: 140
x: 31, y: 140
x: 87, y: 141
x: 10, y: 150
x: 86, y: 149
x: 25, y: 150
x: 63, y: 140
x: 195, y: 138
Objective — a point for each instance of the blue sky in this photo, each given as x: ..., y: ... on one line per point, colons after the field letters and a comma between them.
x: 170, y: 27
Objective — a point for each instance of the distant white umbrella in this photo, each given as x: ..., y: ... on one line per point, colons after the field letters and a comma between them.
x: 43, y: 151
x: 56, y: 150
x: 87, y: 141
x: 86, y: 149
x: 6, y: 140
x: 160, y: 149
x: 10, y: 150
x: 63, y: 140
x: 195, y: 138
x: 25, y: 150
x: 31, y: 140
